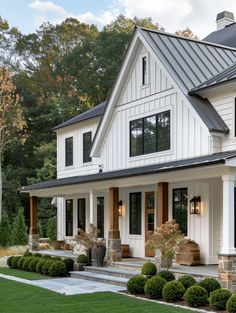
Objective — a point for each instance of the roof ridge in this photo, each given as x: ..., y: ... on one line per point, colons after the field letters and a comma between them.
x: 161, y: 32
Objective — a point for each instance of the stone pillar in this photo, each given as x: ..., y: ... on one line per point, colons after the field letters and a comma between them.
x: 114, y: 241
x: 227, y: 256
x: 162, y: 203
x: 33, y: 231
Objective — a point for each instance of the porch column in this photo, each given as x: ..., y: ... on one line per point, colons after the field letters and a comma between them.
x: 114, y: 241
x: 92, y: 207
x: 227, y: 256
x: 33, y: 231
x: 162, y: 203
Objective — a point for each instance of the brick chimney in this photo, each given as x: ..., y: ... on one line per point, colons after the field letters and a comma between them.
x: 223, y: 19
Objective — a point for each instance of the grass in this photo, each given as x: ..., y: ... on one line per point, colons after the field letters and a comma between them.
x: 21, y: 274
x: 22, y: 298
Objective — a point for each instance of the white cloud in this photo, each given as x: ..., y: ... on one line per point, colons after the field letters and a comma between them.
x: 47, y: 6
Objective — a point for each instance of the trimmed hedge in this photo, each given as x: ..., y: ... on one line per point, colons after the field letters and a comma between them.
x: 149, y: 269
x: 136, y: 284
x: 218, y: 299
x: 210, y: 284
x: 154, y: 287
x: 14, y: 261
x: 231, y: 304
x: 57, y: 269
x: 33, y: 264
x: 187, y: 281
x: 167, y: 275
x: 27, y: 253
x: 196, y: 296
x: 39, y: 266
x: 20, y: 262
x: 25, y: 265
x: 82, y: 258
x: 46, y: 267
x: 9, y: 261
x: 173, y: 291
x: 69, y: 263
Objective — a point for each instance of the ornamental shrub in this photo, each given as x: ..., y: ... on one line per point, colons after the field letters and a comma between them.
x: 39, y: 266
x: 56, y: 258
x: 210, y: 284
x: 46, y: 266
x: 38, y: 255
x: 187, y: 281
x: 9, y: 260
x: 154, y: 286
x: 69, y: 263
x: 14, y: 261
x: 57, y: 269
x: 136, y: 284
x: 149, y: 269
x: 231, y: 304
x: 19, y: 231
x: 167, y: 275
x: 20, y: 262
x: 27, y: 253
x: 52, y: 229
x: 5, y: 231
x: 173, y: 291
x: 25, y: 265
x: 47, y: 257
x: 218, y: 299
x: 33, y: 264
x: 196, y: 296
x: 82, y: 258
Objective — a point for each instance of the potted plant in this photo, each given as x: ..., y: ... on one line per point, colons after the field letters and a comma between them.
x: 82, y: 261
x: 165, y: 239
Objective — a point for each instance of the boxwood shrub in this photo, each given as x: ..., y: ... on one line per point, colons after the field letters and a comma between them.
x: 69, y: 263
x: 27, y: 253
x: 25, y: 265
x: 33, y: 264
x: 9, y: 260
x: 196, y: 296
x: 218, y: 299
x: 210, y: 284
x: 154, y: 286
x: 187, y: 281
x: 173, y: 291
x: 82, y: 258
x: 20, y: 262
x: 167, y: 275
x: 14, y: 261
x: 46, y: 266
x: 231, y: 304
x: 39, y: 266
x: 57, y: 269
x: 149, y: 269
x: 136, y: 284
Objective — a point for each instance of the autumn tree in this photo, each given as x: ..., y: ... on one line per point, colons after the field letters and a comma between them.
x: 12, y: 123
x: 187, y: 32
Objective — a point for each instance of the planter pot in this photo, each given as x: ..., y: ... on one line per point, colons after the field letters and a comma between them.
x: 188, y: 254
x: 58, y: 244
x: 99, y: 255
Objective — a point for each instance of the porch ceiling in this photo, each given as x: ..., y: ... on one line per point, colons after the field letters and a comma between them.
x: 208, y: 166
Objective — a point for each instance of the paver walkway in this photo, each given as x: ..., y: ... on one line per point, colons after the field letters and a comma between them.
x: 67, y: 286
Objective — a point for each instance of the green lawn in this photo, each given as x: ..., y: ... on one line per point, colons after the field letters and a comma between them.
x: 21, y: 274
x: 22, y: 298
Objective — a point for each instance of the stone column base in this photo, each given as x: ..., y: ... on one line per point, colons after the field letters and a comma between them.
x: 114, y: 250
x: 227, y: 271
x: 34, y: 241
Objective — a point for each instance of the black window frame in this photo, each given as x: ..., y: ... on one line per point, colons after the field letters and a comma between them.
x: 86, y: 149
x: 183, y: 189
x: 69, y: 221
x: 144, y: 70
x: 69, y: 157
x: 81, y: 213
x: 100, y: 217
x: 157, y: 145
x: 135, y: 228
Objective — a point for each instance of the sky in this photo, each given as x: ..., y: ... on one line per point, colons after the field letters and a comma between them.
x: 172, y: 15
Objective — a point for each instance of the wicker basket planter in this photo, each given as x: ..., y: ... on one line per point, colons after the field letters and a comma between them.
x: 188, y: 253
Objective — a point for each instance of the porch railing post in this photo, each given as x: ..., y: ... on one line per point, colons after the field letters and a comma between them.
x: 162, y: 203
x: 33, y: 231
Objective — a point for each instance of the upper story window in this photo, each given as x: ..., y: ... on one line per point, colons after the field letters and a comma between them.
x: 144, y: 71
x: 150, y: 134
x: 69, y: 151
x: 87, y: 141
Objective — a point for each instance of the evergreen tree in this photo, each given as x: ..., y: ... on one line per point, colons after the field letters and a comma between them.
x: 52, y: 229
x: 5, y: 231
x: 40, y: 229
x: 19, y: 233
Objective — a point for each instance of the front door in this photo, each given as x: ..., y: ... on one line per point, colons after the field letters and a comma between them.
x: 149, y: 220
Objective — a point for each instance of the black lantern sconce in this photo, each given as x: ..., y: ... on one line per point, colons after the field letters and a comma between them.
x: 195, y: 205
x: 120, y: 208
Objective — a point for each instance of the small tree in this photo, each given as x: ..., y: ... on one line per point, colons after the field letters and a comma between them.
x: 52, y: 228
x: 5, y: 231
x: 19, y: 233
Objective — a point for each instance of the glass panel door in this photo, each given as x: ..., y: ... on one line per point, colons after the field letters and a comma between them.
x: 81, y: 214
x: 149, y: 220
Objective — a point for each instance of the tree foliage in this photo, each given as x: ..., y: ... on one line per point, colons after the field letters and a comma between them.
x: 19, y: 231
x: 5, y: 231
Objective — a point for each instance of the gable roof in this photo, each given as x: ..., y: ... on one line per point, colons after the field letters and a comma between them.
x: 225, y: 36
x: 98, y: 110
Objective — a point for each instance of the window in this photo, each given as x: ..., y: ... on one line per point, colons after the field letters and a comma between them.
x: 180, y: 208
x: 144, y: 71
x: 81, y: 214
x: 69, y: 151
x: 150, y: 134
x: 135, y: 212
x: 69, y: 217
x: 87, y: 140
x: 100, y: 216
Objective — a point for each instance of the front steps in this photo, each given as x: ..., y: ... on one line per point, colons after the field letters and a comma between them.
x: 107, y: 275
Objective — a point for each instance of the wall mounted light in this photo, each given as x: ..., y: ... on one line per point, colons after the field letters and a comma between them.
x: 120, y: 208
x: 195, y: 205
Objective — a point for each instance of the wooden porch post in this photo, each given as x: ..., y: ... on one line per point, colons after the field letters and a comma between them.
x: 162, y: 203
x: 33, y: 231
x: 114, y: 241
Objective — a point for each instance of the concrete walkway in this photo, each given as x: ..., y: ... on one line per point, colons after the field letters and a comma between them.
x: 67, y: 286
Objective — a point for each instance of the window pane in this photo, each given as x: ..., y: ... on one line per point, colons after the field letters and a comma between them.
x: 163, y: 131
x: 150, y: 134
x: 135, y: 211
x: 144, y: 70
x: 81, y: 214
x: 180, y: 208
x: 136, y: 137
x: 69, y: 217
x: 100, y: 216
x: 87, y: 140
x: 69, y: 151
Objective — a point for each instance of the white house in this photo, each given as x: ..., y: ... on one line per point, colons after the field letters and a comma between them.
x: 165, y: 138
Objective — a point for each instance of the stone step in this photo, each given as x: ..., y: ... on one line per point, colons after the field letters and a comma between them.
x: 128, y: 266
x: 118, y: 281
x: 112, y: 271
